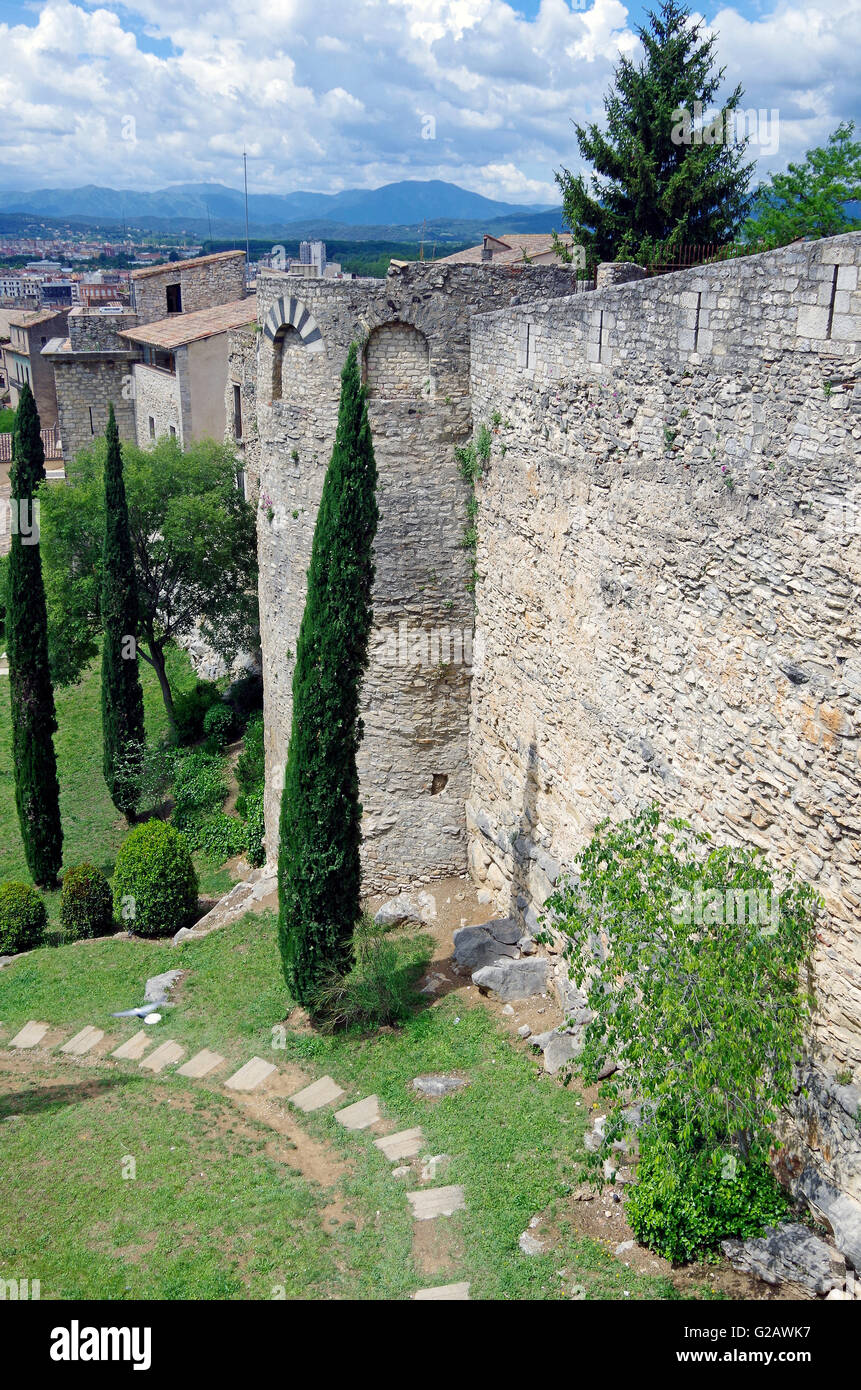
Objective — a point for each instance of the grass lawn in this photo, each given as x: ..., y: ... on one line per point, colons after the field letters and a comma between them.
x: 92, y: 827
x: 214, y: 1211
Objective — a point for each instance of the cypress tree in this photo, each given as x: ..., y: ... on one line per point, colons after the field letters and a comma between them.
x: 318, y: 862
x: 122, y: 697
x: 34, y: 722
x: 660, y: 181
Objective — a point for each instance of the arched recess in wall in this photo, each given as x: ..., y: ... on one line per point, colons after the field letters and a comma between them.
x: 289, y: 326
x: 396, y: 362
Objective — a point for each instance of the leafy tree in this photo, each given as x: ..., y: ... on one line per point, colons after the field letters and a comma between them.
x: 692, y: 960
x: 122, y: 697
x: 650, y: 188
x: 318, y: 862
x: 810, y: 198
x: 194, y: 542
x: 34, y: 722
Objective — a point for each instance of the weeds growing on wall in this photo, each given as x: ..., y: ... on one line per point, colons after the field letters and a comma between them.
x: 472, y: 459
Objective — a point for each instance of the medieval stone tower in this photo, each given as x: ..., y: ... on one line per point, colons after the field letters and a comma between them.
x: 413, y: 333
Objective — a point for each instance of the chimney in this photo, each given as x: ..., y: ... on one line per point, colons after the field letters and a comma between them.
x: 486, y: 252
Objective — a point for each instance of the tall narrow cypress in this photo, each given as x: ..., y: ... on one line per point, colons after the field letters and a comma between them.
x: 122, y: 697
x: 34, y: 722
x: 319, y: 876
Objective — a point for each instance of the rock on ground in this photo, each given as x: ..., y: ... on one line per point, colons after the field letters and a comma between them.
x: 406, y: 907
x: 475, y: 947
x: 837, y: 1211
x: 789, y: 1254
x: 438, y: 1085
x: 159, y: 986
x: 514, y: 979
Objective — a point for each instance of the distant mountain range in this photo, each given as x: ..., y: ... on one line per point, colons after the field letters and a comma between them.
x: 198, y: 206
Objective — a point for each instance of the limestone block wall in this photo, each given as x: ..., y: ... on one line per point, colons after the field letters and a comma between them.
x: 242, y: 372
x: 86, y: 385
x: 157, y: 397
x: 90, y: 331
x: 414, y: 329
x: 204, y: 283
x: 669, y: 557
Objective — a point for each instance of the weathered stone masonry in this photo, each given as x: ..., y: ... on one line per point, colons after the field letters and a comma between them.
x: 414, y: 331
x: 668, y: 567
x: 668, y: 596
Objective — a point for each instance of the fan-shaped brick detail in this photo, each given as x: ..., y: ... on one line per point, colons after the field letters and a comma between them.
x: 292, y: 313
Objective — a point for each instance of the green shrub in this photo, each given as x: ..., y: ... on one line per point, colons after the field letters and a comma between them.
x: 86, y: 902
x: 701, y: 949
x: 380, y: 988
x: 254, y: 827
x: 216, y: 836
x: 154, y: 885
x: 218, y: 725
x: 189, y: 709
x: 199, y: 787
x: 251, y: 763
x: 685, y: 1203
x: 23, y: 918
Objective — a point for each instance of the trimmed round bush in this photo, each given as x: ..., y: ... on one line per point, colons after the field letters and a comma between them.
x: 155, y: 884
x: 218, y: 724
x: 23, y: 918
x: 86, y: 903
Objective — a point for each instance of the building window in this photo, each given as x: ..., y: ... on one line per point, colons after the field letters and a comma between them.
x: 173, y: 431
x: 286, y: 338
x: 174, y: 299
x: 237, y: 412
x: 92, y: 424
x: 151, y: 427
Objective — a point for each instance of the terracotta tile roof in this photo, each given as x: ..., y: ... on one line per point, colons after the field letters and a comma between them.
x: 507, y: 249
x: 28, y: 318
x: 50, y: 441
x: 187, y: 328
x: 183, y: 265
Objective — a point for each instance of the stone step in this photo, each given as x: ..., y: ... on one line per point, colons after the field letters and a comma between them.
x: 431, y: 1202
x: 444, y: 1292
x: 359, y: 1115
x: 165, y: 1054
x: 134, y: 1047
x: 318, y: 1094
x: 201, y: 1064
x: 250, y: 1076
x: 405, y: 1144
x: 83, y: 1042
x: 30, y: 1035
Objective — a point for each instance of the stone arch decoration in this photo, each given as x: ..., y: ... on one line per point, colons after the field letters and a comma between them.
x: 396, y: 361
x: 292, y: 313
x: 289, y: 324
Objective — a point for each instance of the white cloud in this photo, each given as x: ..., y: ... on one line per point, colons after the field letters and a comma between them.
x: 328, y: 96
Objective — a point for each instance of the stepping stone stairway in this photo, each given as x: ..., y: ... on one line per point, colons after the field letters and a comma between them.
x: 455, y: 1293
x: 30, y: 1035
x: 430, y: 1202
x: 318, y: 1094
x: 360, y: 1115
x: 427, y: 1203
x: 201, y: 1064
x: 83, y: 1042
x: 134, y: 1048
x: 164, y: 1055
x: 249, y: 1077
x: 405, y: 1144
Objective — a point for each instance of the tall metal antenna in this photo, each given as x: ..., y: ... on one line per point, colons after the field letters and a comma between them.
x: 247, y: 244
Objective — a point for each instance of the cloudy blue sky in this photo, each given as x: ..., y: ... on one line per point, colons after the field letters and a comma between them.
x: 332, y: 94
